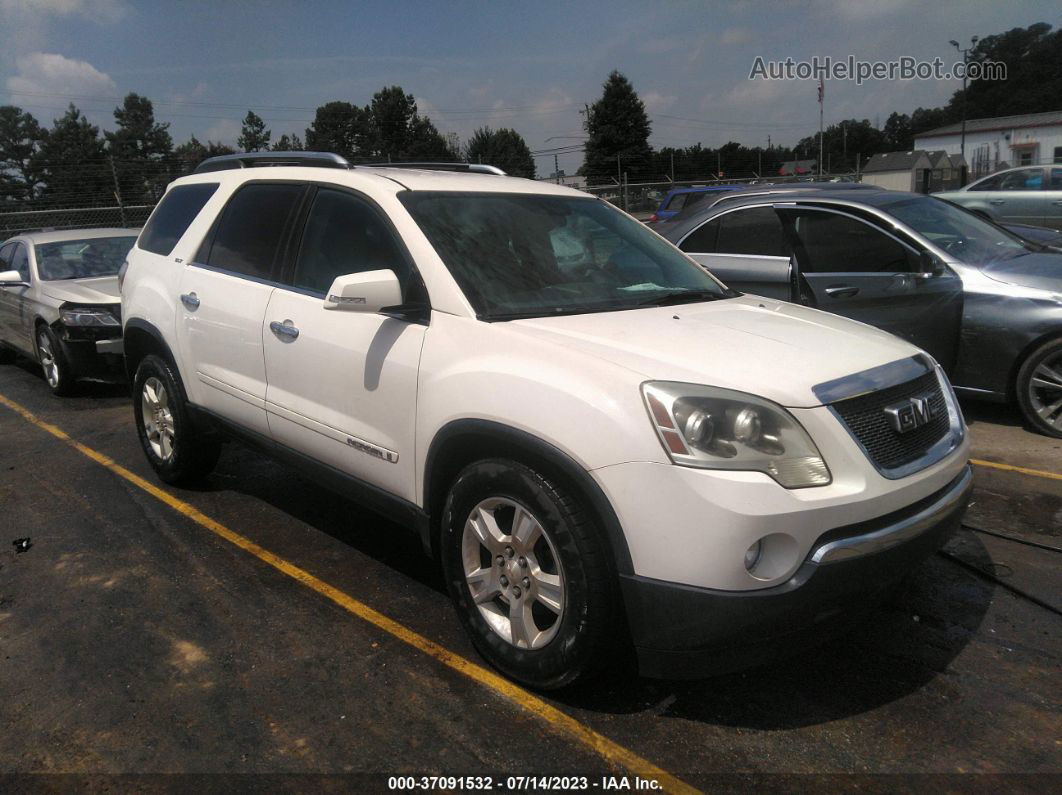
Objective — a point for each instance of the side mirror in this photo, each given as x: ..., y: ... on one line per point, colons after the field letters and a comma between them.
x: 12, y: 279
x: 364, y: 292
x: 929, y: 264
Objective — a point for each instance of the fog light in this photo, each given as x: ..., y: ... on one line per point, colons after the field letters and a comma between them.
x: 752, y: 555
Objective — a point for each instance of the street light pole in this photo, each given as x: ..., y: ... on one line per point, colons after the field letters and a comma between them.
x: 965, y: 60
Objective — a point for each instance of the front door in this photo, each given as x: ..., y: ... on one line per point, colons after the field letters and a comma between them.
x: 223, y: 298
x: 857, y: 270
x: 343, y: 384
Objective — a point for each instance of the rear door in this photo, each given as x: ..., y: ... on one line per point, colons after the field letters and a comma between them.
x: 223, y: 297
x: 8, y: 296
x: 746, y: 248
x: 857, y: 270
x: 343, y: 384
x: 1019, y: 197
x: 1053, y: 205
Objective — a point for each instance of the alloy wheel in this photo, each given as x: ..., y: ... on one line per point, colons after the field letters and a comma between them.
x: 513, y: 573
x: 47, y: 357
x: 157, y: 417
x: 1045, y: 390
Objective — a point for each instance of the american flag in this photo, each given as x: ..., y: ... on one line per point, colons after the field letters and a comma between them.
x: 822, y: 88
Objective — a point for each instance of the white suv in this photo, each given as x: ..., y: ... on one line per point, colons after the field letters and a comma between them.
x: 602, y: 444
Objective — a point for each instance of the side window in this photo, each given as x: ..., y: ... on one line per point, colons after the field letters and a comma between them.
x: 1058, y: 154
x: 20, y: 262
x: 1056, y: 179
x: 252, y: 227
x: 173, y: 216
x: 988, y: 183
x: 702, y: 240
x: 678, y: 201
x: 6, y: 254
x: 1023, y: 179
x: 344, y: 234
x: 839, y: 244
x: 756, y: 231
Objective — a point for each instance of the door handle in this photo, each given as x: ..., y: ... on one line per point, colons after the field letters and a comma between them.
x: 997, y: 201
x: 841, y: 291
x: 190, y: 300
x: 285, y: 329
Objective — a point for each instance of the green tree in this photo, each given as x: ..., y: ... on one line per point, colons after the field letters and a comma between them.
x: 342, y: 128
x: 504, y: 148
x: 140, y: 148
x: 288, y: 144
x: 192, y: 152
x: 73, y: 164
x: 254, y: 137
x: 897, y: 132
x: 20, y: 139
x: 401, y: 134
x: 618, y: 129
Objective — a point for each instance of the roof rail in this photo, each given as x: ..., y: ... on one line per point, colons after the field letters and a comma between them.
x: 249, y: 159
x: 475, y: 168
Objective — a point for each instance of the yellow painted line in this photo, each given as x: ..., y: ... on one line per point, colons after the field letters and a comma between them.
x: 1039, y: 473
x: 562, y: 723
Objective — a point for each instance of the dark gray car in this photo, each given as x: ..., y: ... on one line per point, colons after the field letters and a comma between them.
x: 985, y: 303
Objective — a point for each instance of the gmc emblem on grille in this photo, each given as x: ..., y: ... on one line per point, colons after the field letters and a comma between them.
x: 911, y: 413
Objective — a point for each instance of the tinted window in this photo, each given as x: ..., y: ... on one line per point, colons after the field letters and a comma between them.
x: 173, y: 216
x: 989, y: 183
x: 1056, y: 179
x: 756, y: 232
x: 839, y: 244
x: 1023, y: 179
x: 20, y: 261
x: 252, y: 227
x: 80, y: 259
x: 678, y: 201
x: 5, y: 256
x: 344, y: 235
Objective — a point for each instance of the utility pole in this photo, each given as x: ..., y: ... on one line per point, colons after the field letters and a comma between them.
x: 672, y: 165
x: 822, y: 90
x: 844, y: 143
x: 759, y: 162
x: 965, y: 60
x: 556, y: 169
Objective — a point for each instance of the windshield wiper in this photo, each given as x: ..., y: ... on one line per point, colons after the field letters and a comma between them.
x: 684, y: 297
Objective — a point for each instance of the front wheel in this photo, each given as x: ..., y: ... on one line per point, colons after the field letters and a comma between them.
x: 57, y: 370
x: 174, y: 447
x: 528, y: 573
x: 1039, y: 388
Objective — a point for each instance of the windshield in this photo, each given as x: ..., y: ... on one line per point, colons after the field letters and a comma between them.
x: 79, y: 259
x: 521, y: 255
x: 968, y: 238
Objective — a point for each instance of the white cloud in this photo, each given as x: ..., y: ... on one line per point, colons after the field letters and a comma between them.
x: 51, y: 73
x: 656, y: 102
x: 225, y: 131
x: 736, y: 36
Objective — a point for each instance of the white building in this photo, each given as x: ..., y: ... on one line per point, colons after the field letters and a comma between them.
x: 992, y: 144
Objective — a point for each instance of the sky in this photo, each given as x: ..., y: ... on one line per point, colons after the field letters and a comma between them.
x: 529, y: 65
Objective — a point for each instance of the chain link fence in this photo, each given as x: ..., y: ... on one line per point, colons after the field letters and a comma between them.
x: 19, y: 222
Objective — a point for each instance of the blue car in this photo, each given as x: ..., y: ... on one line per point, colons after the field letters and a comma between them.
x: 679, y: 199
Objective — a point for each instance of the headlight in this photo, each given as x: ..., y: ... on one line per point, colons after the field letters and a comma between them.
x: 87, y: 316
x: 702, y: 426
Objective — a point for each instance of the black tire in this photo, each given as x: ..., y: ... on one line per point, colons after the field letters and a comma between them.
x: 58, y: 373
x: 585, y: 630
x: 191, y: 453
x: 7, y: 355
x: 1033, y: 398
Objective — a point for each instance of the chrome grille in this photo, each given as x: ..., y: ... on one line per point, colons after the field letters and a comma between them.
x: 888, y: 449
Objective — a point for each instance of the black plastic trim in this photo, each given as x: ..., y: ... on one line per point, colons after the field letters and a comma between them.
x: 571, y: 469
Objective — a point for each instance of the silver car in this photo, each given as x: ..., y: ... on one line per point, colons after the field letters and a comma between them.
x: 985, y: 303
x: 60, y: 304
x: 1025, y: 195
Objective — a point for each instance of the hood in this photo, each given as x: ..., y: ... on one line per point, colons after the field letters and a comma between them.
x: 94, y: 290
x: 776, y: 350
x: 1039, y: 271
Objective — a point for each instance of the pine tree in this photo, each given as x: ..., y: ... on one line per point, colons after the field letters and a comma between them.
x: 140, y: 149
x: 618, y: 129
x: 254, y: 137
x: 504, y: 148
x: 73, y: 164
x: 342, y: 128
x: 20, y: 139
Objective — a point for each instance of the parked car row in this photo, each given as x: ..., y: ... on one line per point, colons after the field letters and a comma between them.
x: 602, y: 444
x: 1025, y: 195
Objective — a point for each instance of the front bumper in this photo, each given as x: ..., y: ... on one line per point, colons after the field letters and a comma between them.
x: 682, y: 631
x: 91, y: 354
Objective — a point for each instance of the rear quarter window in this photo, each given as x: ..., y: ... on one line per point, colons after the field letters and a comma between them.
x: 173, y: 216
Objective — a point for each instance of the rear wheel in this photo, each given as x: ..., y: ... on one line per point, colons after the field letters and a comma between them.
x: 174, y: 447
x: 1039, y: 388
x: 527, y: 571
x: 57, y: 372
